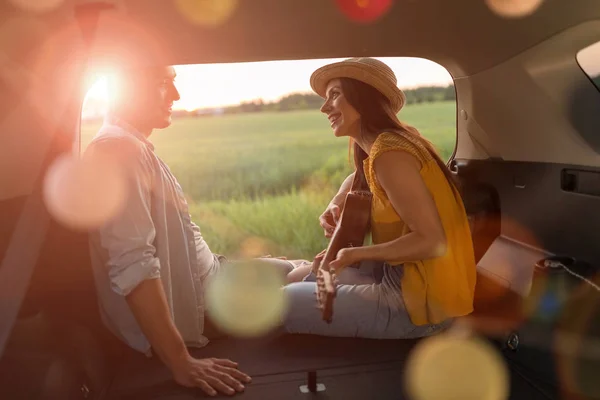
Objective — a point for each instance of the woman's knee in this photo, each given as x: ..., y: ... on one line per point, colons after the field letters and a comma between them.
x: 302, y: 308
x: 300, y: 294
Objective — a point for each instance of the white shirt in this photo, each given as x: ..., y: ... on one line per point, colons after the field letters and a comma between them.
x: 153, y: 237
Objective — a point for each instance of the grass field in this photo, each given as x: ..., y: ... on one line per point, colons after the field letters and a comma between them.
x: 256, y: 183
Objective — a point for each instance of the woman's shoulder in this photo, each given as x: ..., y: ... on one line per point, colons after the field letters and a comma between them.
x: 399, y: 141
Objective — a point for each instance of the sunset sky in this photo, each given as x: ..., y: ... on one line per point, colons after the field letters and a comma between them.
x: 217, y: 85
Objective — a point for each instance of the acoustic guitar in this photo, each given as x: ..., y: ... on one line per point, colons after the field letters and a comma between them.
x: 350, y: 231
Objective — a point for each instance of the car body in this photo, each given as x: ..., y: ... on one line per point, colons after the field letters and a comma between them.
x: 527, y: 161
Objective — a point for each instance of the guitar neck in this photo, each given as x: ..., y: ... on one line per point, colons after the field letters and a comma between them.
x: 352, y: 227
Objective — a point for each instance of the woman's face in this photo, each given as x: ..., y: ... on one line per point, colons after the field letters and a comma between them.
x: 344, y: 119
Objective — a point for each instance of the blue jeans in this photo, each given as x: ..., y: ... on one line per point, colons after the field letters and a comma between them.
x: 366, y: 306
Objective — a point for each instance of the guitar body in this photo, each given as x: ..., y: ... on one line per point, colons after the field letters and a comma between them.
x: 350, y: 232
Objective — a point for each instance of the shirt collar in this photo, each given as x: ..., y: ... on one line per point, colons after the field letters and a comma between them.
x: 112, y: 119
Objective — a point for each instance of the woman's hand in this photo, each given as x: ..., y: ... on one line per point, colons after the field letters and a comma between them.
x: 317, y: 261
x: 329, y: 219
x: 345, y: 258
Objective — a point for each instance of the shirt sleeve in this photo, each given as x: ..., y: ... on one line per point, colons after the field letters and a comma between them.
x: 390, y: 141
x: 206, y: 258
x: 128, y: 238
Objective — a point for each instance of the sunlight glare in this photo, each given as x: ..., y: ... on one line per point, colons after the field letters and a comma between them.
x: 456, y: 367
x: 245, y: 298
x: 99, y: 89
x: 38, y: 6
x: 98, y: 96
x: 209, y: 13
x: 84, y: 193
x: 514, y: 8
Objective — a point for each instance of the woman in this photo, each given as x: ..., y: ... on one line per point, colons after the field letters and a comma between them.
x: 419, y: 273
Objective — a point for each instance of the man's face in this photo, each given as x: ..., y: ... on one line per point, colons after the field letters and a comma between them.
x: 150, y: 96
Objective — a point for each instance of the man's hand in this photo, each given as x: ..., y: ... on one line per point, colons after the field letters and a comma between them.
x: 329, y: 219
x: 149, y: 305
x: 212, y: 375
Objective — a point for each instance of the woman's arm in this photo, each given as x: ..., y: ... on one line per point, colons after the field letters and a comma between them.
x: 398, y: 175
x: 329, y: 219
x: 345, y: 187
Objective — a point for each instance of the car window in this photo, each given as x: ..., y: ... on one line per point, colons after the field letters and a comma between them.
x: 255, y: 156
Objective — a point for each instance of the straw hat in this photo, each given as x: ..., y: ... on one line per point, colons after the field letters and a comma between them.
x: 365, y: 69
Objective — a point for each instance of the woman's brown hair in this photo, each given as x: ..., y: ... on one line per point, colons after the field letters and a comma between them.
x: 377, y: 116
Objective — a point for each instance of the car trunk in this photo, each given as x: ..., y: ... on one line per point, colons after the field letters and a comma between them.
x: 526, y: 166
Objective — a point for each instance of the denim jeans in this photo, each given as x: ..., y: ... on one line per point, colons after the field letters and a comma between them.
x: 365, y: 306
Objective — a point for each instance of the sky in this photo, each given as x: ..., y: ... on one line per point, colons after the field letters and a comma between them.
x: 216, y: 85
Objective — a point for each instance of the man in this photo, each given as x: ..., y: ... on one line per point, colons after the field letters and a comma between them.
x: 150, y: 261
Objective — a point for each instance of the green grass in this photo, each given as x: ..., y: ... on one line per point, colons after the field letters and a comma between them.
x: 279, y: 225
x: 258, y: 182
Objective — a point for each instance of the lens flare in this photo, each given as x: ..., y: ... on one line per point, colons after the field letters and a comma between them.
x: 456, y: 367
x: 209, y: 13
x: 514, y: 8
x: 507, y: 286
x: 576, y: 341
x: 497, y: 308
x: 364, y: 11
x: 37, y: 6
x: 246, y: 299
x: 84, y: 193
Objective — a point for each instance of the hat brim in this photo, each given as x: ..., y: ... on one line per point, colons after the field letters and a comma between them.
x: 361, y: 72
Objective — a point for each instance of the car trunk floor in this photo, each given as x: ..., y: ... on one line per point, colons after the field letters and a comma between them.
x: 280, y: 367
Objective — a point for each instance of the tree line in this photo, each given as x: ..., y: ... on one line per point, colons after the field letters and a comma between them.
x: 308, y: 101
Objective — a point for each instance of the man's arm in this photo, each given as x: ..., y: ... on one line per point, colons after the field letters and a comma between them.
x: 149, y: 306
x: 133, y: 267
x: 134, y: 272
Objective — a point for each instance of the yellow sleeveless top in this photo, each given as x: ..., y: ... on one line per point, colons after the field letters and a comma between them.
x: 438, y: 288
